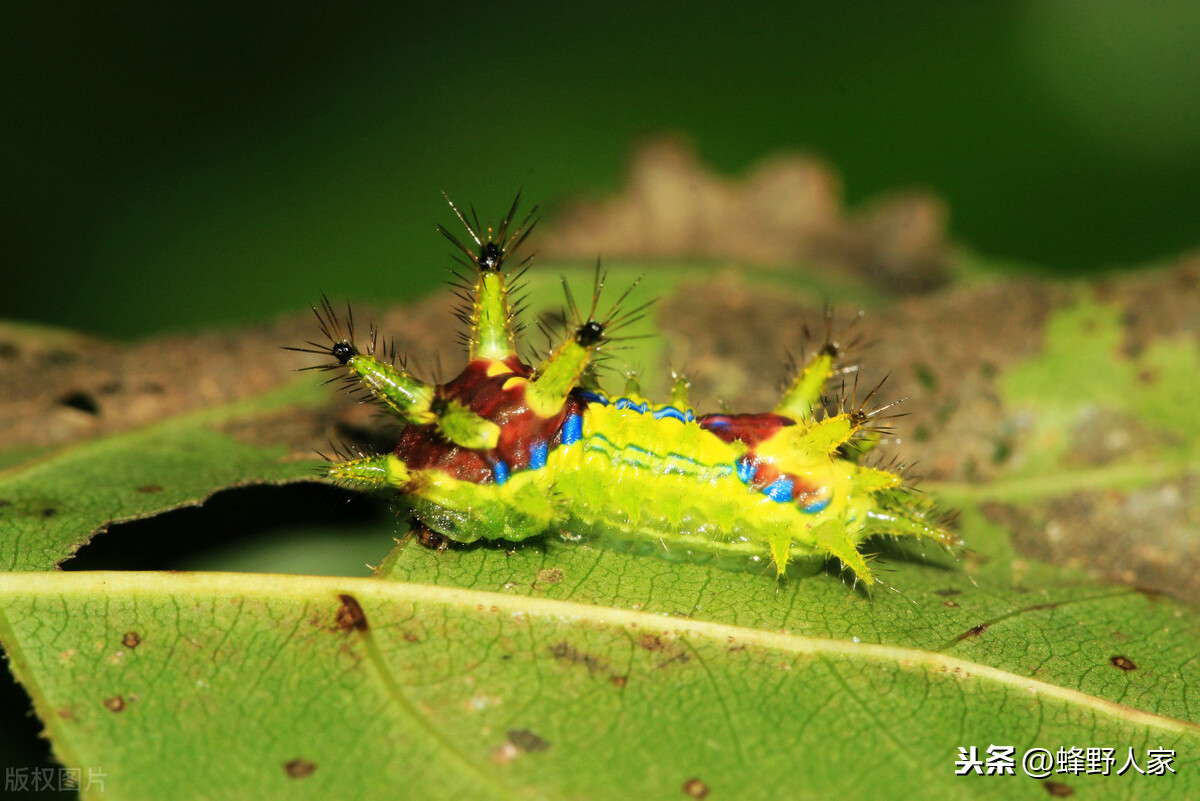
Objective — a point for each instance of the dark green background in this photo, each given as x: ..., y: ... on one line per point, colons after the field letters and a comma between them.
x: 168, y: 165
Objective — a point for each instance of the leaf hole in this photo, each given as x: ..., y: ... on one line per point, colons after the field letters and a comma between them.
x: 307, y: 528
x: 82, y: 401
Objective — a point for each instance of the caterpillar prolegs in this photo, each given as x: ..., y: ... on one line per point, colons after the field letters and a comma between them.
x: 509, y: 451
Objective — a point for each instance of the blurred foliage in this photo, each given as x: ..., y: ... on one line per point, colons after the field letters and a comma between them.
x: 173, y: 165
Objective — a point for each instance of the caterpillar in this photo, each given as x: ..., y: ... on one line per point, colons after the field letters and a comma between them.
x: 510, y: 451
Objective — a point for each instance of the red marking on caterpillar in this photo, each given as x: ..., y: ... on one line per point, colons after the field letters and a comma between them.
x: 507, y: 450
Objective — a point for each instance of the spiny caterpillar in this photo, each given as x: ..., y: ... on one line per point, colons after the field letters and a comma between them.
x: 507, y: 451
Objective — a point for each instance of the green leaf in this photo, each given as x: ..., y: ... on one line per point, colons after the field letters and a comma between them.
x: 51, y: 505
x: 323, y: 687
x: 1083, y: 368
x: 562, y: 670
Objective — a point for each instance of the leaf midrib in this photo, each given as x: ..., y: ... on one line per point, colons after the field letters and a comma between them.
x: 371, y: 591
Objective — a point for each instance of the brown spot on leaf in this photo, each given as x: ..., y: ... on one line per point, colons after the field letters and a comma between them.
x: 695, y: 788
x: 350, y: 616
x: 114, y: 704
x: 1058, y: 790
x: 548, y: 576
x: 972, y: 632
x: 658, y: 644
x: 149, y: 489
x: 620, y: 681
x: 49, y: 512
x: 131, y: 639
x: 651, y: 642
x: 951, y: 604
x: 299, y: 768
x: 527, y: 741
x: 1123, y: 662
x: 566, y: 652
x: 65, y: 713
